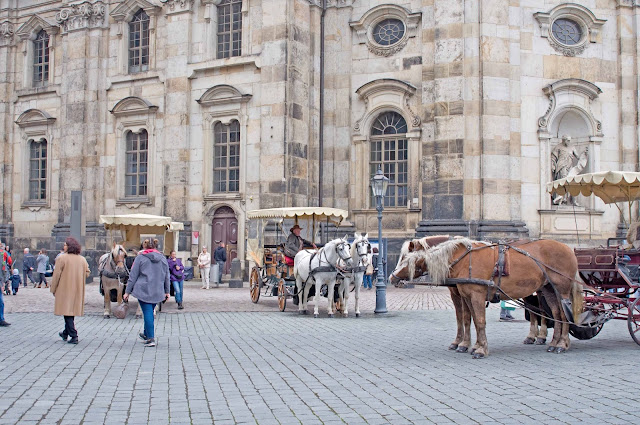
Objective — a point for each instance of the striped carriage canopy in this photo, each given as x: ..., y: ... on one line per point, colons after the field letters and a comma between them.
x: 317, y: 213
x: 610, y: 186
x: 132, y: 226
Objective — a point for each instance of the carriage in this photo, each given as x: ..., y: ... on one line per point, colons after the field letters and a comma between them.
x: 271, y: 276
x: 611, y: 274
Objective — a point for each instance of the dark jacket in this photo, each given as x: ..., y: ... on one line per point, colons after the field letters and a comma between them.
x: 220, y: 254
x: 16, y: 280
x: 294, y: 245
x: 28, y: 262
x: 149, y: 277
x: 176, y: 275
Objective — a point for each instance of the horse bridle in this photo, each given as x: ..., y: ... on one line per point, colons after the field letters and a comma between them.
x: 339, y: 248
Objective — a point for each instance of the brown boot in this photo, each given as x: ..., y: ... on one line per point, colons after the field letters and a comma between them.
x: 40, y: 286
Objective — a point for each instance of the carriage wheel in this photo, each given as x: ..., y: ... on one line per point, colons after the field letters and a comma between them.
x: 254, y: 284
x: 282, y: 295
x: 633, y: 320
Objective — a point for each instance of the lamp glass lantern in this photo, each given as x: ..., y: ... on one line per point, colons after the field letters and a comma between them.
x: 379, y: 183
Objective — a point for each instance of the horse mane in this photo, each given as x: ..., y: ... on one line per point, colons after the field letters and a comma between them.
x: 437, y: 259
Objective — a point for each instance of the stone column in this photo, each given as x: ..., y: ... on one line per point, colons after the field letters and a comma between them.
x: 7, y: 71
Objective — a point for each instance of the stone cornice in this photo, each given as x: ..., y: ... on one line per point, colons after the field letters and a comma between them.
x: 82, y: 16
x: 628, y: 3
x: 332, y: 3
x: 177, y: 6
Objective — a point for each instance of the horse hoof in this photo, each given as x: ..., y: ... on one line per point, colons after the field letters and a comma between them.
x: 551, y: 349
x: 330, y: 316
x: 357, y: 314
x: 305, y: 312
x: 462, y: 349
x: 302, y: 312
x: 540, y: 341
x: 560, y: 350
x: 473, y: 351
x: 106, y: 316
x: 315, y: 316
x: 528, y: 341
x: 345, y: 315
x: 453, y: 347
x: 478, y: 356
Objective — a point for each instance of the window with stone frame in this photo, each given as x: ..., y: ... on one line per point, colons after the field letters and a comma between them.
x: 41, y: 59
x: 388, y: 150
x: 226, y: 157
x: 139, y: 43
x: 38, y: 170
x: 136, y: 154
x: 229, y: 28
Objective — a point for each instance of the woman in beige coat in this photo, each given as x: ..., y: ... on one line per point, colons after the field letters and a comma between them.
x: 67, y: 286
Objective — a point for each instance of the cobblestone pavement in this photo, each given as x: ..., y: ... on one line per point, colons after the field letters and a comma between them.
x: 282, y: 368
x: 32, y: 300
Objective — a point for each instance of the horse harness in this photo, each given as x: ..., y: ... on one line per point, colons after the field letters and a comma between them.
x: 322, y: 269
x: 123, y: 276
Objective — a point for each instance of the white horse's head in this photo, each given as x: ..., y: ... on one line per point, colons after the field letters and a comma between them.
x: 360, y: 246
x: 339, y: 249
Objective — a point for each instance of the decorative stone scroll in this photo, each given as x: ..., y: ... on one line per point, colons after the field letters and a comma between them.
x: 177, y: 6
x: 332, y: 3
x: 82, y: 16
x: 6, y: 33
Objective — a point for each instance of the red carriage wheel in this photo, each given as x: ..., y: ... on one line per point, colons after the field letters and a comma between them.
x: 254, y: 284
x: 282, y: 295
x: 633, y: 320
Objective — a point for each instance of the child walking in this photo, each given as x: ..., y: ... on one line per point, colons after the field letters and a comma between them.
x: 16, y: 280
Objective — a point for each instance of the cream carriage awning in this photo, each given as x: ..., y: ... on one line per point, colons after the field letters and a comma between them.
x: 319, y: 213
x: 610, y: 186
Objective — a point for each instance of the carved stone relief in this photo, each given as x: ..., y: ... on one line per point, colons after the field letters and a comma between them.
x: 82, y: 16
x: 6, y: 33
x: 365, y: 25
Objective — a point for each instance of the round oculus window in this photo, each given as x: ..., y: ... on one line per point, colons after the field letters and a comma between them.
x: 566, y: 31
x: 388, y: 32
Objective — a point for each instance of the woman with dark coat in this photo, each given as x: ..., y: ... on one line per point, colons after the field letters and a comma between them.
x: 177, y: 277
x: 67, y: 285
x: 149, y: 284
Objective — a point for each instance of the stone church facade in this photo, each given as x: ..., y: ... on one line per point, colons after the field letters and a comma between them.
x: 204, y: 109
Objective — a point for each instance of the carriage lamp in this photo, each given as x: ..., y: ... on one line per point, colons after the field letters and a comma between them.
x: 379, y: 185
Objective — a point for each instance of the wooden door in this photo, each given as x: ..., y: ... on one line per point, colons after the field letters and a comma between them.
x: 225, y: 229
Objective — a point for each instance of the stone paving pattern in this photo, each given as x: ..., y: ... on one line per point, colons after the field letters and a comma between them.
x: 282, y: 368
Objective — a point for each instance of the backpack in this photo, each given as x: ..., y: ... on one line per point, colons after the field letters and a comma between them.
x: 4, y: 260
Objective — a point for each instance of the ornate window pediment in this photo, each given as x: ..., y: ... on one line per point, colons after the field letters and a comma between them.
x: 128, y: 8
x: 395, y: 23
x: 31, y: 28
x: 34, y: 117
x: 222, y: 94
x: 133, y: 105
x: 569, y: 28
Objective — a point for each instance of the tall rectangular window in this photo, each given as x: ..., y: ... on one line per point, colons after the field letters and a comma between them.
x: 229, y: 28
x: 41, y: 59
x: 137, y: 161
x: 226, y: 157
x: 139, y: 43
x: 389, y: 151
x: 38, y: 170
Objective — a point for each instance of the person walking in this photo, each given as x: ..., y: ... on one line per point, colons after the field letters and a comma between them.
x: 204, y: 262
x: 15, y: 281
x: 28, y: 265
x: 220, y: 257
x: 149, y: 284
x: 5, y: 272
x: 176, y: 269
x: 368, y: 272
x: 3, y: 323
x: 67, y: 286
x: 41, y: 266
x: 374, y: 262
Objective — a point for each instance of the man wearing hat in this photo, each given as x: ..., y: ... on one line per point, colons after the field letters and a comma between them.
x: 294, y: 245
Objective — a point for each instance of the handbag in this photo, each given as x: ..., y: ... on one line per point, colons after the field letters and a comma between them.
x: 121, y: 310
x: 49, y: 270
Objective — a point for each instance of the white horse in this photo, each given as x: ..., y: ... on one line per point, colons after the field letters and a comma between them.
x: 315, y: 268
x: 359, y: 249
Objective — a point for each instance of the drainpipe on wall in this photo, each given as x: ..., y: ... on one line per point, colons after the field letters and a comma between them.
x: 321, y: 123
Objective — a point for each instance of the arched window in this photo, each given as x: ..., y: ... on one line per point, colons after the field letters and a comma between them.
x: 136, y: 158
x: 38, y: 170
x: 229, y: 28
x: 226, y: 157
x: 139, y: 42
x: 389, y: 149
x: 41, y: 59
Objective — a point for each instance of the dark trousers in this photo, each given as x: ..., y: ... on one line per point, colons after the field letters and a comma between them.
x: 69, y: 327
x: 42, y: 279
x: 27, y: 274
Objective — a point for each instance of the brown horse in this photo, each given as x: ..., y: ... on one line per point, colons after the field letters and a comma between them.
x: 537, y: 335
x: 543, y: 266
x: 113, y: 275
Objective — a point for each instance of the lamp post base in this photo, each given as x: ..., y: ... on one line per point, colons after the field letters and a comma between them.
x: 381, y: 297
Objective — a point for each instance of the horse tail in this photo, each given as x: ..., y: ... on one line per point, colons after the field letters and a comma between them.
x: 577, y: 298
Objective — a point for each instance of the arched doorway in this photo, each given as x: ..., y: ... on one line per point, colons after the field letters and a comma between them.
x: 225, y: 229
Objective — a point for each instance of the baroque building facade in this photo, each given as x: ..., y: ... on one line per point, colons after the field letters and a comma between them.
x: 204, y: 109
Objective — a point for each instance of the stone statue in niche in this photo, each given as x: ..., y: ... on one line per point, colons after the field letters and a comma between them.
x: 566, y: 161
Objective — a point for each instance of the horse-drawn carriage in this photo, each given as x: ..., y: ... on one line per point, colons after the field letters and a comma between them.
x: 271, y: 276
x: 115, y: 266
x: 611, y: 274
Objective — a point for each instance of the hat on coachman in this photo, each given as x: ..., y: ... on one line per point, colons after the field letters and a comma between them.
x: 295, y: 227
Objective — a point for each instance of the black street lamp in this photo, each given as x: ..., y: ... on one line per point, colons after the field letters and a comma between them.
x: 379, y: 185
